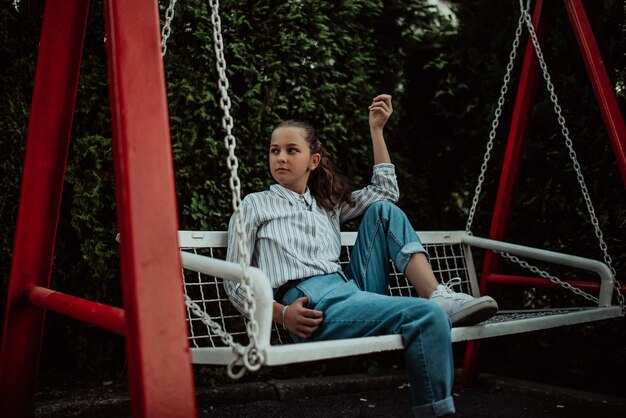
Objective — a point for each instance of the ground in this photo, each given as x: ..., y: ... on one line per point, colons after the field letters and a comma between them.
x: 356, y: 395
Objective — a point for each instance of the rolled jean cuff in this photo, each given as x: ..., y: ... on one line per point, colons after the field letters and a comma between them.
x: 435, y: 409
x: 404, y: 255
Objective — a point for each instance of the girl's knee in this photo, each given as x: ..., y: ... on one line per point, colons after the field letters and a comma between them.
x: 429, y: 315
x: 440, y: 317
x: 428, y: 325
x: 383, y: 205
x: 435, y: 318
x: 383, y: 209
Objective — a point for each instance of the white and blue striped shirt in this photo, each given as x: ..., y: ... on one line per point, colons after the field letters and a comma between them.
x: 290, y: 237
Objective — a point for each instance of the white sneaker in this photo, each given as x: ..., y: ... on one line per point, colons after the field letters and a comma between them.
x: 462, y: 308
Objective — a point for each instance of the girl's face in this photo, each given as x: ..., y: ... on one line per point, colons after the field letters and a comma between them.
x: 290, y: 158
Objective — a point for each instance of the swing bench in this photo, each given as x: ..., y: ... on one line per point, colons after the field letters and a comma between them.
x: 218, y: 332
x: 451, y: 256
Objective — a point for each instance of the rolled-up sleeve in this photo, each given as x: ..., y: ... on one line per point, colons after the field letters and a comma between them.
x: 383, y: 186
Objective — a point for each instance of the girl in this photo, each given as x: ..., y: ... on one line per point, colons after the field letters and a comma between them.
x: 293, y: 236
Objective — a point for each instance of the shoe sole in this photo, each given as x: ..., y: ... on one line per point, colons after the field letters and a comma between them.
x: 483, y: 309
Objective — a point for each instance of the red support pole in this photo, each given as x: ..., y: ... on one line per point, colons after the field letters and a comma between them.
x: 510, y: 172
x: 600, y: 82
x: 160, y: 371
x: 52, y: 110
x: 507, y: 279
x: 98, y: 314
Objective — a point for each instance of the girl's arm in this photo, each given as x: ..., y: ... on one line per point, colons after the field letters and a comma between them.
x: 380, y: 111
x: 384, y: 185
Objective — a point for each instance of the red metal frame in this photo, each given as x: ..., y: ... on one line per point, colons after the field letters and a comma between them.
x: 153, y: 321
x: 159, y: 358
x: 614, y: 123
x: 52, y: 111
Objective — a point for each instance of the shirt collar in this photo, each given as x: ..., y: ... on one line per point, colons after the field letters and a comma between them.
x: 293, y: 197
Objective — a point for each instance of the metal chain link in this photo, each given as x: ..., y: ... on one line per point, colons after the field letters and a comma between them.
x: 251, y: 356
x: 167, y: 26
x: 546, y: 275
x: 247, y: 356
x: 572, y: 154
x: 16, y: 5
x: 254, y: 357
x: 494, y: 125
x: 215, y: 327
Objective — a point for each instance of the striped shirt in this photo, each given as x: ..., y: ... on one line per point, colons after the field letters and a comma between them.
x: 290, y: 237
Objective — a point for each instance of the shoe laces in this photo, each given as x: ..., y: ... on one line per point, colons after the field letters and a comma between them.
x: 445, y: 290
x: 455, y: 281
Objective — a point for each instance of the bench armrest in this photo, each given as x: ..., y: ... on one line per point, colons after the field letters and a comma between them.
x: 260, y: 287
x: 606, y: 277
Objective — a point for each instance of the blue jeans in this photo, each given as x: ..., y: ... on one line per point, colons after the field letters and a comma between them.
x: 356, y: 304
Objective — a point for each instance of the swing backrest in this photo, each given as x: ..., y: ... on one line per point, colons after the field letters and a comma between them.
x: 449, y: 258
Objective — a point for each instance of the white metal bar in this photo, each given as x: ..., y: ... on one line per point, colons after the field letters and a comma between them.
x: 496, y: 329
x: 219, y: 239
x: 261, y: 288
x: 606, y: 277
x: 313, y: 351
x: 471, y: 270
x: 202, y: 239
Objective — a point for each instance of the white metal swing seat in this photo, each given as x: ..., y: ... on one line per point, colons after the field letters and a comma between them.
x: 450, y: 256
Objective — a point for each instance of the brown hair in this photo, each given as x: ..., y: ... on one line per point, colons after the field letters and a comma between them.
x: 327, y: 184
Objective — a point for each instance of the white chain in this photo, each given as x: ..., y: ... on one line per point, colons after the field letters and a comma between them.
x: 494, y: 125
x: 546, y: 275
x: 572, y: 154
x: 253, y: 357
x: 167, y: 26
x: 250, y: 355
x: 16, y: 5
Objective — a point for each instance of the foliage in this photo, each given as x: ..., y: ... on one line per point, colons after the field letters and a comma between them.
x: 322, y: 62
x: 317, y: 61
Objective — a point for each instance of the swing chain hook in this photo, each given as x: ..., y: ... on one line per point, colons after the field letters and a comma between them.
x: 251, y: 356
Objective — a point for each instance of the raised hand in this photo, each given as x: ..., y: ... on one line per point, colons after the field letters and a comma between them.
x: 380, y: 111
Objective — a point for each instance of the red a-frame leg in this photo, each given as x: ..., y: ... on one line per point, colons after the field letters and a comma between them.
x: 600, y: 82
x: 613, y: 121
x: 153, y: 321
x: 52, y: 110
x: 159, y: 360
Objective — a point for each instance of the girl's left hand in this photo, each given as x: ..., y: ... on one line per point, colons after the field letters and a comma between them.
x: 380, y: 111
